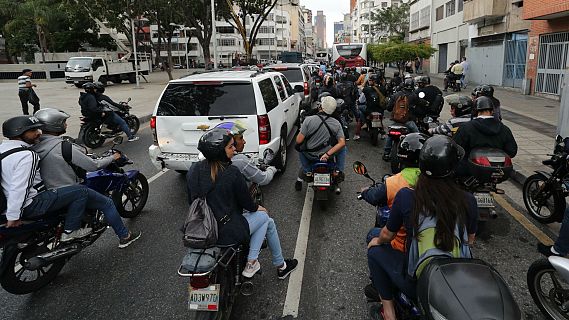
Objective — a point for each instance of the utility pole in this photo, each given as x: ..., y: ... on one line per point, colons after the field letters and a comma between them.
x: 134, y: 50
x: 214, y: 34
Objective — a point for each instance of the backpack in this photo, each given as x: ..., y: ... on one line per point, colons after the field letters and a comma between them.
x: 332, y: 140
x: 200, y: 227
x: 382, y: 102
x: 3, y: 199
x: 401, y: 109
x: 67, y: 152
x: 422, y: 248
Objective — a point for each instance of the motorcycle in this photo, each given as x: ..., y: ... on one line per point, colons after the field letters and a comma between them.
x: 324, y: 180
x: 263, y: 164
x: 31, y: 256
x: 395, y: 132
x: 94, y: 132
x: 548, y: 284
x: 544, y: 193
x: 448, y: 288
x: 454, y: 82
x: 374, y: 123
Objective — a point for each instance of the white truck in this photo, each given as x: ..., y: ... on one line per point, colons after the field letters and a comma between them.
x: 80, y: 70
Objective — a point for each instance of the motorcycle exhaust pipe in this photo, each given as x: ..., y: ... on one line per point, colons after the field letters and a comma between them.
x: 47, y: 258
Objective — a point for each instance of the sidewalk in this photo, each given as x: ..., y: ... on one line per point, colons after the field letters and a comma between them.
x: 533, y: 121
x: 58, y: 94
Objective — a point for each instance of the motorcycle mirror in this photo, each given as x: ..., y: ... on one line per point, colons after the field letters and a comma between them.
x: 359, y: 168
x: 128, y: 100
x: 421, y: 95
x: 268, y: 155
x: 558, y: 138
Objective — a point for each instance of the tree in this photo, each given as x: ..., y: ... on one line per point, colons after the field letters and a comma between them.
x: 398, y: 52
x: 197, y: 15
x: 393, y: 20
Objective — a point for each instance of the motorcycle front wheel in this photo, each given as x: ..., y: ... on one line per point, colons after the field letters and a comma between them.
x: 91, y: 136
x: 548, y: 289
x: 131, y: 200
x: 542, y: 202
x: 133, y: 124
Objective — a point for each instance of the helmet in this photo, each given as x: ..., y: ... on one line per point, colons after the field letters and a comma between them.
x: 410, y: 148
x: 486, y: 90
x: 100, y: 87
x: 323, y: 94
x: 374, y: 78
x: 396, y: 74
x: 439, y: 156
x: 16, y: 126
x: 364, y: 71
x: 212, y: 144
x: 476, y: 91
x: 88, y: 86
x: 422, y: 79
x: 236, y: 128
x: 462, y: 104
x: 408, y: 84
x: 343, y: 76
x: 53, y: 120
x: 408, y: 75
x: 484, y: 103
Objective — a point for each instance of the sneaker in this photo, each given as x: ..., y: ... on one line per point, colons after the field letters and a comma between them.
x: 356, y: 137
x: 371, y: 293
x: 251, y: 269
x: 132, y: 237
x: 135, y: 138
x: 386, y: 156
x: 338, y: 190
x: 547, y: 250
x: 75, y: 234
x: 298, y: 185
x: 290, y: 266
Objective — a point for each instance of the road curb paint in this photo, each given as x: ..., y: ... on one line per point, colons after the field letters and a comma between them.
x: 158, y: 175
x: 292, y: 300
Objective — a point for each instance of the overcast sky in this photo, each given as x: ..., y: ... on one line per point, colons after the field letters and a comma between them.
x: 333, y: 10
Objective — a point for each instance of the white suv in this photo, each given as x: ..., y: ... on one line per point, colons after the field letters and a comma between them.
x: 264, y: 101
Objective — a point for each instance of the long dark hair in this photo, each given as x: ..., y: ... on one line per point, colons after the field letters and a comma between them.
x: 443, y: 199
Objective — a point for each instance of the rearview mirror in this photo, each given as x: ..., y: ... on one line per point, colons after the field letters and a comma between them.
x: 268, y: 155
x: 298, y: 88
x: 128, y: 100
x: 359, y: 168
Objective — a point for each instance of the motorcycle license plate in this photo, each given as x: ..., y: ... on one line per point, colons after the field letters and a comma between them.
x: 484, y: 200
x: 206, y: 299
x: 184, y: 157
x: 458, y: 81
x: 321, y: 179
x: 376, y: 124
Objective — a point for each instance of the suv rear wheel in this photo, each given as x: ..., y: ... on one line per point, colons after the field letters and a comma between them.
x: 281, y: 158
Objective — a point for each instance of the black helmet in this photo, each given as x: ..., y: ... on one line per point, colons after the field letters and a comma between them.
x: 476, y: 91
x: 484, y: 103
x: 409, y: 84
x: 374, y: 78
x: 486, y: 90
x: 212, y: 144
x: 439, y: 156
x: 16, y: 126
x: 88, y: 86
x: 410, y: 148
x: 343, y: 76
x: 462, y: 104
x: 364, y: 71
x: 53, y: 120
x: 422, y: 80
x: 100, y: 87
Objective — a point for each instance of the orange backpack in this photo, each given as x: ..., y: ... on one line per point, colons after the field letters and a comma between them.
x: 401, y: 110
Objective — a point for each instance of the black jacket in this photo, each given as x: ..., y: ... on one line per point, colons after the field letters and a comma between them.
x: 347, y: 91
x: 229, y: 196
x: 372, y: 98
x: 486, y: 133
x: 101, y: 97
x: 90, y: 107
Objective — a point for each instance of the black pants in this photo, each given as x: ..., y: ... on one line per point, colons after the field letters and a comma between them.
x: 24, y: 99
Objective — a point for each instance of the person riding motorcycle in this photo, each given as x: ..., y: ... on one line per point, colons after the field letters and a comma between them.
x: 115, y: 119
x: 328, y: 86
x: 320, y: 138
x: 395, y: 82
x: 239, y: 219
x: 488, y: 91
x: 348, y: 92
x: 24, y: 189
x: 429, y: 200
x: 57, y: 172
x: 372, y: 99
x: 486, y: 131
x: 454, y: 73
x: 433, y: 95
x: 460, y: 110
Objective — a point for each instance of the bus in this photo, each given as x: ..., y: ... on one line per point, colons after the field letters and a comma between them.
x: 322, y: 57
x: 349, y: 54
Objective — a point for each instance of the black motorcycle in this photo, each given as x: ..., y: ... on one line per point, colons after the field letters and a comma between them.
x: 545, y: 192
x: 454, y: 82
x: 94, y: 132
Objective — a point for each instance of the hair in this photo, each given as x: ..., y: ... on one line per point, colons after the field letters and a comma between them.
x: 215, y: 168
x: 440, y: 198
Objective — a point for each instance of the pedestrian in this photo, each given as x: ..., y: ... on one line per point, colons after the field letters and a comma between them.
x: 26, y: 92
x: 418, y: 63
x: 466, y: 67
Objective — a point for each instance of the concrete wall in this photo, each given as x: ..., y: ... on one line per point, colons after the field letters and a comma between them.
x: 486, y: 64
x: 450, y: 30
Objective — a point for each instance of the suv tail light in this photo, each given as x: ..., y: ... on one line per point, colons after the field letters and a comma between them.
x: 264, y: 129
x: 306, y: 91
x: 153, y: 128
x: 199, y: 282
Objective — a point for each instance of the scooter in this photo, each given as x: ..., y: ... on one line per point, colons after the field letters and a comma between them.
x: 548, y: 284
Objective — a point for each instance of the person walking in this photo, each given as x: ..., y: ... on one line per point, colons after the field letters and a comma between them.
x: 466, y: 66
x: 26, y: 92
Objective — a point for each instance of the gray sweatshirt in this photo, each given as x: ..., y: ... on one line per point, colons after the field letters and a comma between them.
x: 251, y: 172
x: 55, y: 172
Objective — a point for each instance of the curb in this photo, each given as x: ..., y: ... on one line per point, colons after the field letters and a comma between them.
x: 145, y: 118
x: 520, y: 175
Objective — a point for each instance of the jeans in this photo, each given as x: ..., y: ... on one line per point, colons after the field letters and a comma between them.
x: 362, y: 113
x: 340, y: 160
x: 562, y: 243
x: 24, y: 99
x: 388, y: 274
x: 411, y: 125
x: 117, y: 120
x: 106, y: 205
x: 51, y: 202
x: 261, y: 226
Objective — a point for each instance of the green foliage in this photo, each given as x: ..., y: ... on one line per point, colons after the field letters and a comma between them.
x: 393, y: 20
x: 396, y: 51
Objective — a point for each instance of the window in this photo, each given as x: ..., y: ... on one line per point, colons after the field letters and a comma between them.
x: 280, y: 88
x: 225, y: 42
x: 460, y: 5
x: 440, y: 13
x: 384, y: 4
x: 288, y: 87
x: 425, y: 17
x: 266, y: 41
x: 269, y: 94
x: 414, y: 24
x: 193, y: 46
x: 450, y: 8
x: 266, y: 29
x: 225, y: 29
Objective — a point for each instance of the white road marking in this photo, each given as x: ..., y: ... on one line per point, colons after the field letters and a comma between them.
x: 156, y: 176
x: 295, y: 281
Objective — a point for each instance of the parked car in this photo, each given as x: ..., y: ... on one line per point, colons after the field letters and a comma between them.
x: 265, y: 102
x: 297, y: 74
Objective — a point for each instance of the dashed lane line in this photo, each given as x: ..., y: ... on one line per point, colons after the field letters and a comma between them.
x: 158, y: 175
x: 528, y: 225
x: 292, y: 301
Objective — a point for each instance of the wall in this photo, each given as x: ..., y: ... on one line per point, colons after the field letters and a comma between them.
x: 486, y: 64
x: 449, y: 30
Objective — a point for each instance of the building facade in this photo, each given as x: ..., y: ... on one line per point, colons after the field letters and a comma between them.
x: 362, y: 14
x: 420, y: 20
x: 449, y: 34
x: 320, y: 29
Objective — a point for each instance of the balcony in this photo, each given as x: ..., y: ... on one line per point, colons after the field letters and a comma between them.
x: 479, y: 10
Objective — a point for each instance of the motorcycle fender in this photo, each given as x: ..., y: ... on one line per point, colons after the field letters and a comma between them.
x: 320, y: 195
x: 9, y: 250
x: 131, y: 174
x: 560, y: 264
x: 544, y: 174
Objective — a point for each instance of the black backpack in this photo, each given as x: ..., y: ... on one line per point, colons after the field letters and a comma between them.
x: 3, y: 199
x: 67, y: 152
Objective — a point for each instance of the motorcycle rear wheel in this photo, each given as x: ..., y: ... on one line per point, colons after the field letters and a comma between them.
x: 132, y: 199
x: 554, y: 201
x: 395, y: 163
x: 19, y: 280
x: 133, y: 124
x: 374, y: 135
x: 91, y: 136
x: 227, y: 299
x: 548, y: 300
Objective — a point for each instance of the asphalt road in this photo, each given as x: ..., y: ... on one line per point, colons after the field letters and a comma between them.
x: 140, y: 282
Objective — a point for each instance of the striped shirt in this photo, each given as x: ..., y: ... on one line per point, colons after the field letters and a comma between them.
x: 22, y: 81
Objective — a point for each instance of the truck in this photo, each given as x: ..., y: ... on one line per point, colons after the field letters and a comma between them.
x: 290, y: 57
x: 80, y: 70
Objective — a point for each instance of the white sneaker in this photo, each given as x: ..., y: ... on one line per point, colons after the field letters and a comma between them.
x: 356, y: 137
x: 76, y: 234
x: 251, y: 269
x: 135, y: 138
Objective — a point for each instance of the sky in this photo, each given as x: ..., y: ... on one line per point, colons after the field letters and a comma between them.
x: 334, y: 11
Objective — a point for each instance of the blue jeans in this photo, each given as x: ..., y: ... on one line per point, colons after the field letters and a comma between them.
x: 117, y: 120
x: 562, y: 243
x: 411, y: 125
x: 52, y: 202
x: 388, y: 274
x: 340, y: 160
x: 97, y: 201
x: 261, y: 226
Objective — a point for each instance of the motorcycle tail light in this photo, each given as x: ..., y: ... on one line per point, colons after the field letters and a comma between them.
x: 199, y: 282
x: 306, y: 91
x: 483, y: 161
x: 153, y: 128
x: 322, y: 188
x: 508, y: 162
x: 321, y: 169
x: 394, y: 133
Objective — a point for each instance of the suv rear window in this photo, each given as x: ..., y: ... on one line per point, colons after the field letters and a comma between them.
x: 293, y: 75
x: 208, y: 100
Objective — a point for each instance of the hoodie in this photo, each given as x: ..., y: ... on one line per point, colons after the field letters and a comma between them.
x: 55, y: 172
x: 486, y: 132
x: 89, y: 105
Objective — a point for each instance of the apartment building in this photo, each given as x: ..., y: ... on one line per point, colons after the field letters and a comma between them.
x: 449, y: 34
x: 362, y: 20
x: 320, y: 29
